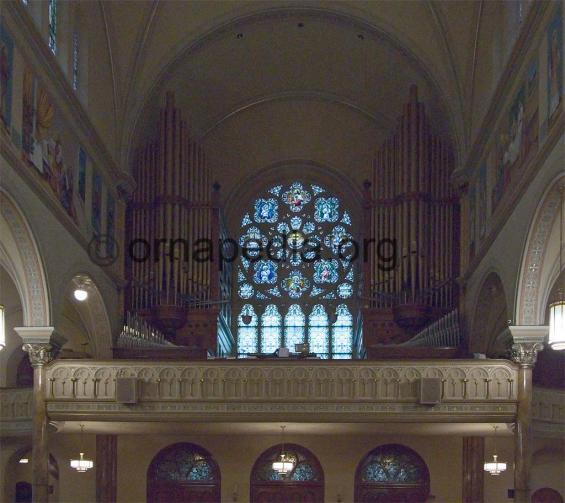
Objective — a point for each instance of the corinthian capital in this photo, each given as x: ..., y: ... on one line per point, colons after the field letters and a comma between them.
x: 527, y: 342
x: 39, y: 353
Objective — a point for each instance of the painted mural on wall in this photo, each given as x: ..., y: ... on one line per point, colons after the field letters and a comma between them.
x: 6, y: 76
x: 518, y: 135
x: 48, y: 145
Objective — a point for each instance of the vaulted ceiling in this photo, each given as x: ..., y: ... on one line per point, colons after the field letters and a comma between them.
x: 264, y: 82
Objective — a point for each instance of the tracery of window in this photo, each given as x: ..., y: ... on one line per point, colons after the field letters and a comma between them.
x: 52, y: 16
x: 296, y: 273
x: 306, y: 467
x: 183, y: 463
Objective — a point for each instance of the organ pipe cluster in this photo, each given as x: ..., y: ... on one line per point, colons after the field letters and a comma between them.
x: 172, y: 208
x: 411, y: 211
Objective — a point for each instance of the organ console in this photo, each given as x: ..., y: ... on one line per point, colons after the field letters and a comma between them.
x: 410, y: 209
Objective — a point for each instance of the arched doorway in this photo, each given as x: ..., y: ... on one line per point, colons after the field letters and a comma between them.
x: 546, y: 495
x: 185, y: 473
x: 392, y: 473
x: 304, y: 484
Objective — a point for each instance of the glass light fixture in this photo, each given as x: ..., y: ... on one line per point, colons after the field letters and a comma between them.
x: 80, y: 294
x: 24, y: 461
x: 2, y: 329
x: 557, y: 308
x: 283, y: 464
x: 495, y: 467
x: 82, y: 464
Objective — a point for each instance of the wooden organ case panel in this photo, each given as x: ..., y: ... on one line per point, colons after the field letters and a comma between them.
x: 174, y: 226
x: 411, y: 213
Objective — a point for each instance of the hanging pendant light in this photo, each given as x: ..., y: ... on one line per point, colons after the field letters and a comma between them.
x: 495, y: 467
x: 557, y: 307
x: 283, y: 464
x: 82, y: 464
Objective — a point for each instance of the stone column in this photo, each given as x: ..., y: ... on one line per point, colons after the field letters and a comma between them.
x: 40, y: 351
x: 473, y: 469
x: 106, y: 468
x: 527, y: 342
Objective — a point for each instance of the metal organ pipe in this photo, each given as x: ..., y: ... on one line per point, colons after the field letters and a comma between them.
x: 413, y: 204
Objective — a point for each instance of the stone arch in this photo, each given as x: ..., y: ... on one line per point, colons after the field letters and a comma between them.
x: 540, y: 259
x: 19, y: 255
x: 490, y: 319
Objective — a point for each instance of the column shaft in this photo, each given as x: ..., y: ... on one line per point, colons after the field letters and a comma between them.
x: 40, y: 450
x: 473, y: 469
x: 522, y: 436
x: 106, y: 468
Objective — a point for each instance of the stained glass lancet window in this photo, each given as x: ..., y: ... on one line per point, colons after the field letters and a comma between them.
x: 296, y: 275
x: 52, y: 16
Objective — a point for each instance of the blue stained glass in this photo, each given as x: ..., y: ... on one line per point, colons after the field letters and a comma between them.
x: 266, y: 210
x: 252, y: 237
x: 325, y: 271
x: 283, y: 228
x: 245, y: 263
x: 261, y: 296
x: 349, y: 276
x: 294, y: 323
x: 317, y: 189
x: 316, y: 290
x: 265, y: 272
x: 295, y: 222
x: 240, y: 275
x: 295, y: 259
x: 271, y: 323
x: 295, y: 284
x: 343, y: 331
x: 340, y: 241
x: 345, y: 290
x: 275, y: 291
x: 247, y: 334
x: 182, y: 464
x: 394, y: 464
x: 346, y: 219
x: 296, y: 197
x: 318, y: 330
x: 326, y: 209
x: 309, y: 227
x: 276, y: 190
x: 246, y: 291
x: 246, y: 220
x: 303, y: 473
x: 329, y: 296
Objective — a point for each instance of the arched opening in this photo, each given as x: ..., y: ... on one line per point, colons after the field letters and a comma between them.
x: 392, y: 473
x: 304, y: 483
x: 19, y: 472
x: 297, y: 275
x: 490, y: 322
x: 546, y: 495
x: 183, y: 472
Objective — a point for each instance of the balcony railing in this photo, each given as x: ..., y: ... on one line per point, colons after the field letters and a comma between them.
x: 310, y: 390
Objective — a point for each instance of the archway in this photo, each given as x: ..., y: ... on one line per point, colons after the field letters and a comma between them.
x: 19, y: 255
x: 490, y: 321
x: 183, y: 472
x: 546, y: 495
x: 392, y: 473
x: 304, y: 484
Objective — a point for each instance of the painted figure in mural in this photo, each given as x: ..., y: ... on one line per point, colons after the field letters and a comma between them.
x: 516, y: 131
x: 4, y: 81
x: 296, y: 197
x: 555, y: 55
x: 28, y: 117
x: 66, y: 192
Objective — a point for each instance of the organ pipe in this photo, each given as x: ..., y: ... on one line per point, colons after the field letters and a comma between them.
x: 410, y: 201
x: 172, y: 208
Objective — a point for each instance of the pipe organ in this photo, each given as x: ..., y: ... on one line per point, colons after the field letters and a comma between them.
x: 174, y: 228
x: 411, y: 216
